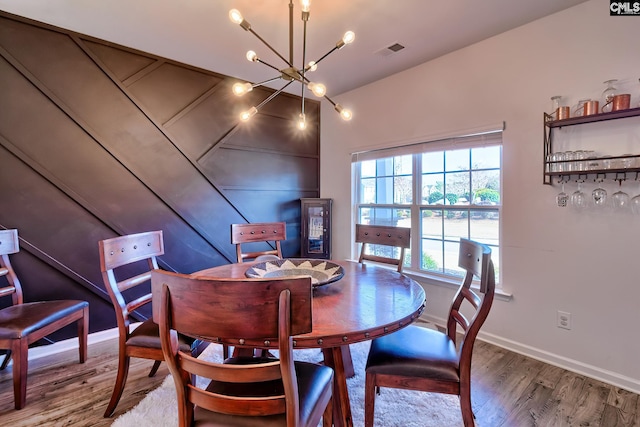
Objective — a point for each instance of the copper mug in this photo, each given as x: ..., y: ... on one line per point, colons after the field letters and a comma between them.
x: 619, y: 102
x: 591, y: 107
x: 563, y: 113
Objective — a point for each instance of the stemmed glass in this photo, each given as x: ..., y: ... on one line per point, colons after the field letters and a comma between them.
x: 562, y: 198
x: 608, y: 93
x: 578, y: 198
x: 635, y: 205
x: 599, y: 196
x: 620, y: 200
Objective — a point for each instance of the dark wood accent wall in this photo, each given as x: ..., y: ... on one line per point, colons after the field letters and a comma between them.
x: 98, y: 140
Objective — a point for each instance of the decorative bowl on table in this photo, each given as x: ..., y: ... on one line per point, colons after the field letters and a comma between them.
x: 322, y: 272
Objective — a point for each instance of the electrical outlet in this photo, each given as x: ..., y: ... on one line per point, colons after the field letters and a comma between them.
x: 564, y: 320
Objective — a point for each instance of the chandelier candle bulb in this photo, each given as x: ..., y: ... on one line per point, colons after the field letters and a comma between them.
x: 235, y: 16
x: 246, y: 115
x: 252, y: 56
x: 302, y: 122
x: 240, y: 89
x: 344, y: 113
x: 318, y: 89
x: 348, y: 38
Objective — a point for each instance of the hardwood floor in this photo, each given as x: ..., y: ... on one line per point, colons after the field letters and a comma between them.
x: 62, y: 392
x: 509, y: 390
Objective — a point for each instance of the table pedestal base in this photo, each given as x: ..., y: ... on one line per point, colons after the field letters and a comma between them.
x: 334, y: 358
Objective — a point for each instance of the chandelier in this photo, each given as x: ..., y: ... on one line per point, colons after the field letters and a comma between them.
x: 290, y: 73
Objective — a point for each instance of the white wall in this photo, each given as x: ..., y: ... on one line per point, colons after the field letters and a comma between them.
x: 552, y: 258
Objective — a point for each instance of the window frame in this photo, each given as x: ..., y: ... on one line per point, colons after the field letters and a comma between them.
x: 417, y: 206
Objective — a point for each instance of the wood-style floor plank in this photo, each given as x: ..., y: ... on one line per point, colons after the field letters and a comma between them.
x: 508, y: 390
x: 62, y: 392
x: 621, y: 408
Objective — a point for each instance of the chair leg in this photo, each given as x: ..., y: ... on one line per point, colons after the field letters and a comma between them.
x: 225, y: 352
x: 20, y: 350
x: 327, y: 417
x: 83, y: 334
x: 369, y: 399
x: 118, y: 388
x: 154, y: 368
x: 5, y: 362
x: 465, y: 407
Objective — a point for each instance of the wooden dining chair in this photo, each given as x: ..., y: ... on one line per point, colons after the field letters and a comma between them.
x: 392, y: 237
x: 126, y: 263
x: 23, y: 323
x: 418, y: 358
x: 248, y: 234
x: 251, y: 391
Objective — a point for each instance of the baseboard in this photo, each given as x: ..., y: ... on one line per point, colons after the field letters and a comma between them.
x: 609, y: 377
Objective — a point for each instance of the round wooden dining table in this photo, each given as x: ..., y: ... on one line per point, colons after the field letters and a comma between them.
x: 367, y: 302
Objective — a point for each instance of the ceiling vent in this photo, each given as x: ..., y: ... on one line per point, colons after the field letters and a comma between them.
x: 390, y: 50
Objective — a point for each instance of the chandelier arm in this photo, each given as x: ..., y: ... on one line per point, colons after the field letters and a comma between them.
x: 273, y: 95
x: 330, y: 100
x: 268, y: 65
x: 262, y: 83
x: 323, y: 56
x: 269, y: 46
x: 344, y: 113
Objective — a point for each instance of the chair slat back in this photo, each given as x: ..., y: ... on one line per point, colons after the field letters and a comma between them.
x: 475, y: 259
x: 399, y: 237
x: 230, y: 300
x: 258, y: 232
x: 271, y: 310
x: 123, y: 250
x: 137, y: 250
x: 9, y: 244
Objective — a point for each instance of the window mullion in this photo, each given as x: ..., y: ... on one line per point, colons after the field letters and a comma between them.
x: 416, y: 227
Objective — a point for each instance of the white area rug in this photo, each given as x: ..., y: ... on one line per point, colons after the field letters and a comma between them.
x: 394, y: 408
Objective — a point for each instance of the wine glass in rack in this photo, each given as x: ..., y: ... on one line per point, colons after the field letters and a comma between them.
x: 599, y: 196
x: 579, y: 198
x: 635, y: 205
x: 620, y: 201
x: 562, y: 198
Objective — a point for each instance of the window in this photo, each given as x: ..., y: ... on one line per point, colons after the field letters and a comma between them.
x: 443, y: 191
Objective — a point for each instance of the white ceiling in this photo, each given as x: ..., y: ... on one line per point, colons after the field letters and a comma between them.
x: 198, y: 32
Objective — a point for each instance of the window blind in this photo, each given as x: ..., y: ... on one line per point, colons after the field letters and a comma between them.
x: 490, y: 136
